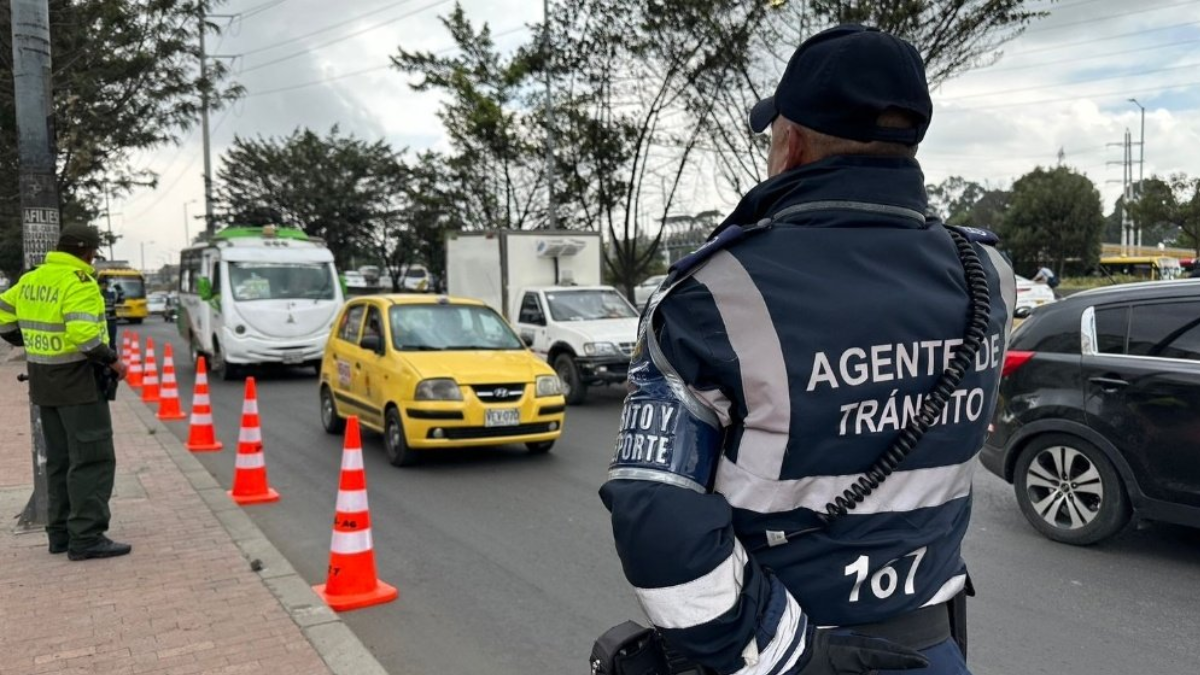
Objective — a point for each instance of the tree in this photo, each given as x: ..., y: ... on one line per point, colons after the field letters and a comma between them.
x: 339, y: 188
x: 125, y: 79
x: 1165, y: 204
x: 952, y: 199
x: 488, y: 123
x: 952, y: 36
x: 1054, y: 216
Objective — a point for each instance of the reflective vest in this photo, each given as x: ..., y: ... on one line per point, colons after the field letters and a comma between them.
x: 59, y: 311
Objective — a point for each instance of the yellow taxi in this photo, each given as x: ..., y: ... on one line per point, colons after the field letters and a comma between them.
x: 432, y: 372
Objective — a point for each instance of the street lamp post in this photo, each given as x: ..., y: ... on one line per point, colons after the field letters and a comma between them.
x: 144, y: 254
x: 187, y: 237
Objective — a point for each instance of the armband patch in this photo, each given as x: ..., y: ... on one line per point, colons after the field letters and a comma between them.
x: 660, y: 438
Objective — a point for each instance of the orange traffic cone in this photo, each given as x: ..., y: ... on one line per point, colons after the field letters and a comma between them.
x: 150, y: 375
x: 250, y: 475
x: 351, y: 583
x: 202, y: 437
x: 168, y: 405
x: 125, y: 348
x: 134, y: 377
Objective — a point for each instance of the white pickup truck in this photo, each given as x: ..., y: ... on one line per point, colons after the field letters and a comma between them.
x: 548, y: 285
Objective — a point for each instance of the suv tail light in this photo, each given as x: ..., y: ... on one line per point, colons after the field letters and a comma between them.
x: 1014, y: 360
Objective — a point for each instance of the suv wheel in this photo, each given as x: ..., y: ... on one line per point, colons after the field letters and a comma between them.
x: 1069, y: 491
x: 574, y: 390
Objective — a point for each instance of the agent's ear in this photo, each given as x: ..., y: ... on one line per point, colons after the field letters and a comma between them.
x: 797, y: 147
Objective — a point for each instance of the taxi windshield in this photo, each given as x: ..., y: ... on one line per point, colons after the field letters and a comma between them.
x: 589, y: 305
x: 281, y: 281
x: 450, y: 328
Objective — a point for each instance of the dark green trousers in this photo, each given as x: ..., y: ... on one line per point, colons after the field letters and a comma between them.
x: 80, y: 465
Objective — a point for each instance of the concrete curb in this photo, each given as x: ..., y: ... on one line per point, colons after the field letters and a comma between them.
x: 340, y: 648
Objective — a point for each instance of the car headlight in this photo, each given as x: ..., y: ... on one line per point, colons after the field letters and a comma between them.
x: 548, y: 385
x: 601, y: 349
x: 441, y: 389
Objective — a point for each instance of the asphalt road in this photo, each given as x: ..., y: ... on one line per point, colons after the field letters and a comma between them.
x: 505, y: 564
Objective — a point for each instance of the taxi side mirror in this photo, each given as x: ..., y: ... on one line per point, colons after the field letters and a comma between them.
x: 204, y: 288
x: 372, y: 343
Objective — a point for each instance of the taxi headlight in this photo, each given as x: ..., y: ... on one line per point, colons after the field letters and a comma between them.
x: 601, y: 349
x: 548, y: 385
x: 440, y: 389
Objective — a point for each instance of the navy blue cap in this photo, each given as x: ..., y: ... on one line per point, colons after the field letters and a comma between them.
x: 841, y: 79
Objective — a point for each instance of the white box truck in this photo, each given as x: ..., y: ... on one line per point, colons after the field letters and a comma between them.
x: 256, y: 296
x: 548, y: 284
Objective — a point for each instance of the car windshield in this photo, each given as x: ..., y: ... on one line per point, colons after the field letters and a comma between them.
x: 132, y: 288
x: 589, y: 305
x: 450, y: 328
x: 281, y: 281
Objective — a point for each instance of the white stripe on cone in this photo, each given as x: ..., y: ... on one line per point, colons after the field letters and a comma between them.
x: 349, y: 543
x: 169, y: 392
x: 250, y: 461
x: 250, y: 435
x: 201, y: 399
x: 250, y: 407
x: 198, y: 418
x: 352, y: 460
x: 202, y: 378
x: 168, y: 378
x: 351, y: 501
x: 151, y: 379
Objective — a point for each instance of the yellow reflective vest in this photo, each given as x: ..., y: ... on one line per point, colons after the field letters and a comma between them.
x: 59, y: 312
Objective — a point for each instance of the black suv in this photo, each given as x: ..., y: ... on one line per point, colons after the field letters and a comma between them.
x: 1099, y: 411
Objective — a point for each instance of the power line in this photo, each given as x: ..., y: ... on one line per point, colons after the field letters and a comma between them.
x: 1123, y: 93
x: 364, y: 71
x: 328, y: 28
x: 259, y: 9
x: 1072, y: 84
x: 988, y: 70
x: 344, y: 37
x: 1077, y: 43
x: 1041, y: 29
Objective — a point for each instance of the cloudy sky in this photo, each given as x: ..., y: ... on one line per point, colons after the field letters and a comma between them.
x: 1064, y: 84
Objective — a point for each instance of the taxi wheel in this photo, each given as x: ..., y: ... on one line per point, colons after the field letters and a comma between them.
x: 330, y: 419
x: 394, y: 443
x: 539, y: 448
x: 574, y: 390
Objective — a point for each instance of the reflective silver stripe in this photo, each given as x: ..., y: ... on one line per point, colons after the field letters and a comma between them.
x: 55, y: 359
x: 5, y: 307
x: 202, y: 418
x: 782, y: 652
x: 695, y: 406
x: 43, y: 326
x: 634, y: 473
x: 91, y: 344
x: 846, y: 205
x: 700, y: 600
x: 351, y: 501
x: 1008, y: 286
x: 250, y: 461
x: 83, y: 316
x: 951, y: 588
x: 902, y: 491
x: 753, y: 337
x: 349, y: 543
x: 352, y: 460
x: 9, y: 327
x: 250, y: 435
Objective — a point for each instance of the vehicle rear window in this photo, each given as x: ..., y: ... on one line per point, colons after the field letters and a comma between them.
x: 1112, y: 325
x: 1168, y: 330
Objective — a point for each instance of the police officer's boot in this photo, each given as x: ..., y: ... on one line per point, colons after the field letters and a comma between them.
x: 103, y: 548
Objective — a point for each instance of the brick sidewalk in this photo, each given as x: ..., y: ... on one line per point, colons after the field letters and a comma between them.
x: 185, y: 601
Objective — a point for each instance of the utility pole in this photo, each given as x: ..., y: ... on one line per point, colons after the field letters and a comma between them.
x: 552, y: 205
x: 39, y: 191
x: 108, y: 219
x: 1126, y: 221
x: 210, y: 226
x: 1141, y: 161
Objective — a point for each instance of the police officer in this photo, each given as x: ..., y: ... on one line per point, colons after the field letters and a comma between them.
x: 792, y: 477
x: 57, y: 313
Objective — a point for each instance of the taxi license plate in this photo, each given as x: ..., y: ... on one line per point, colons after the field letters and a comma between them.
x: 292, y: 359
x: 509, y: 417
